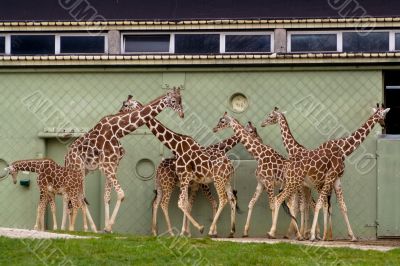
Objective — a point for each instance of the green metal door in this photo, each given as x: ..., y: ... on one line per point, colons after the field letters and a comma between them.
x: 388, y: 186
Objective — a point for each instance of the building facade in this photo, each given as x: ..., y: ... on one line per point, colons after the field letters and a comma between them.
x: 67, y: 65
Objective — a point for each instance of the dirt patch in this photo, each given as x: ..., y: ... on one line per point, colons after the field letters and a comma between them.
x: 377, y: 245
x: 24, y: 233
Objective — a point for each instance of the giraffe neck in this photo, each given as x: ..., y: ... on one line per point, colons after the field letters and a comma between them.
x: 28, y: 165
x: 129, y: 122
x: 225, y: 145
x: 290, y: 143
x: 351, y: 143
x: 169, y: 138
x: 251, y: 144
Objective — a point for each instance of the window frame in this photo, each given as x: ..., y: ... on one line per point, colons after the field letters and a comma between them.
x: 339, y: 40
x: 27, y: 33
x: 5, y: 43
x: 57, y: 41
x: 79, y: 34
x: 221, y: 34
x: 171, y: 42
x: 224, y: 34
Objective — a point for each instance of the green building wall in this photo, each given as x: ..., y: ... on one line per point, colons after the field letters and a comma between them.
x: 320, y: 103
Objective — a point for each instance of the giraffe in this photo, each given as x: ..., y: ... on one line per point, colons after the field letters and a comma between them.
x: 53, y: 179
x: 270, y: 164
x: 346, y: 145
x: 196, y: 164
x: 100, y: 147
x: 127, y: 106
x: 166, y: 180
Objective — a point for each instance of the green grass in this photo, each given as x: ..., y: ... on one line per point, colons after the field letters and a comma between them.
x: 116, y: 249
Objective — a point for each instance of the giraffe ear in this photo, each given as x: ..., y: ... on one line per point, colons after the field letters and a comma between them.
x: 284, y: 112
x: 374, y: 110
x: 386, y: 111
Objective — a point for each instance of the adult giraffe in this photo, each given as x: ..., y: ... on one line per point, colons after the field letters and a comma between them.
x: 166, y: 180
x: 346, y: 145
x: 100, y: 147
x: 197, y: 164
x: 270, y: 164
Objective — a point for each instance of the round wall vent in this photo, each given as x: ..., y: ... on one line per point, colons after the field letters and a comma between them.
x: 238, y: 102
x: 145, y: 169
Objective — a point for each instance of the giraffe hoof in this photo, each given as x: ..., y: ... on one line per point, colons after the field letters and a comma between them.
x: 285, y: 237
x: 354, y: 239
x: 270, y: 236
x: 213, y: 236
x: 231, y: 235
x: 201, y: 230
x: 245, y: 235
x: 300, y: 238
x: 105, y: 231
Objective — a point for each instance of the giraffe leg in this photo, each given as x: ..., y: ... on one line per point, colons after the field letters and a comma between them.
x: 252, y: 202
x: 40, y: 209
x: 232, y: 202
x: 192, y: 196
x: 64, y: 213
x: 293, y: 209
x: 120, y: 198
x: 343, y: 208
x: 107, y: 199
x: 166, y: 195
x: 214, y: 205
x: 288, y: 190
x: 89, y: 217
x: 84, y: 208
x: 53, y: 210
x: 222, y: 196
x: 73, y: 219
x: 183, y: 203
x: 155, y: 205
x: 321, y: 199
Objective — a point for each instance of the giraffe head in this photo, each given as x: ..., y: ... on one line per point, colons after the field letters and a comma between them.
x: 130, y: 105
x: 252, y: 130
x: 380, y: 114
x: 224, y: 122
x: 173, y: 100
x: 272, y: 118
x: 10, y: 170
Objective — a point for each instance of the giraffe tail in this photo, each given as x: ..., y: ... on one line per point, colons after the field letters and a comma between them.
x: 239, y: 211
x: 286, y: 208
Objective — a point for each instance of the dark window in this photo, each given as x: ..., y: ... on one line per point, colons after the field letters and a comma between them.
x: 247, y: 43
x: 2, y: 44
x: 365, y: 42
x: 81, y: 44
x: 197, y: 43
x: 392, y: 101
x: 32, y: 44
x: 147, y: 43
x: 313, y: 42
x: 397, y: 41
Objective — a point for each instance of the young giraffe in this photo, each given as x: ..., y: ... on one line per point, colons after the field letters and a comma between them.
x: 53, y: 179
x: 100, y: 148
x: 196, y: 164
x: 166, y: 180
x: 300, y: 201
x: 347, y: 145
x: 270, y: 164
